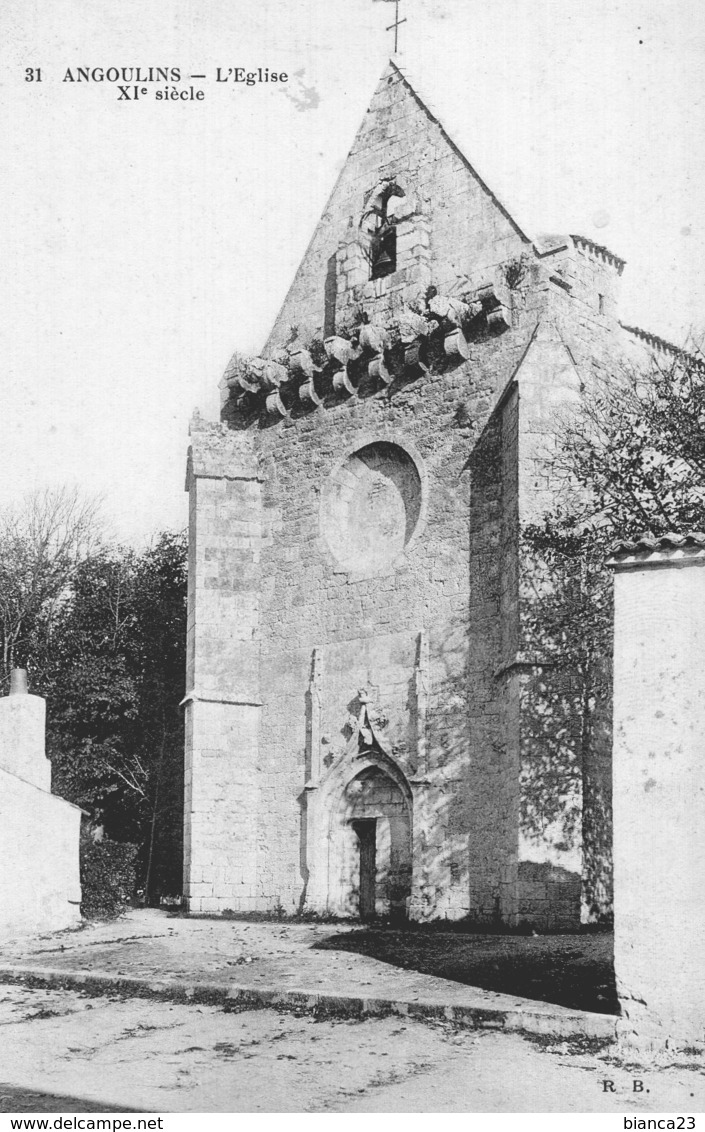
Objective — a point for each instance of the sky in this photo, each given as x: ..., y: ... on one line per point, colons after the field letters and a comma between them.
x: 145, y: 241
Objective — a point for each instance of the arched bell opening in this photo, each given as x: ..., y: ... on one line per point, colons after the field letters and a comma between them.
x: 371, y: 847
x: 379, y: 230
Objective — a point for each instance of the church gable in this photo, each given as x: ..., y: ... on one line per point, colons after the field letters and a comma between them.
x: 408, y: 212
x: 362, y: 704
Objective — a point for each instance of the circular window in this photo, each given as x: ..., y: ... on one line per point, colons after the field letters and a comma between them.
x: 371, y: 507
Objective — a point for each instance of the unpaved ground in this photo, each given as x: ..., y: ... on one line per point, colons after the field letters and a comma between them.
x: 573, y: 970
x: 99, y: 1054
x: 290, y: 957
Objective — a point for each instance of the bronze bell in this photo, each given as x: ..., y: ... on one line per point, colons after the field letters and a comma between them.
x: 383, y: 262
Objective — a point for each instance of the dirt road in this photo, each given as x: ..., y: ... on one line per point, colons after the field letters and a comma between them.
x: 64, y: 1051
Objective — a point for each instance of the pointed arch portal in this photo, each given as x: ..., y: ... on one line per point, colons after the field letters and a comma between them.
x: 370, y: 850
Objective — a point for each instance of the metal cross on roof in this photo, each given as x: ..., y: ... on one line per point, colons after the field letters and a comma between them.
x: 396, y: 25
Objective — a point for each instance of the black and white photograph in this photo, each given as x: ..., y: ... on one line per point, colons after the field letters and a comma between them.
x: 352, y: 561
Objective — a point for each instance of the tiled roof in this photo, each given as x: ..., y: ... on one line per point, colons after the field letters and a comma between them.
x: 648, y: 544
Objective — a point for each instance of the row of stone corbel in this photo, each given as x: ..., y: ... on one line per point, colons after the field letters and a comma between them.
x: 268, y: 375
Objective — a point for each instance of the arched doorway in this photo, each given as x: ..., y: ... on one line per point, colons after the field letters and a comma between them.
x: 374, y: 842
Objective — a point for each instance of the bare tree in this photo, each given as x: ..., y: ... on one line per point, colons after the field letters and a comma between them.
x: 632, y: 460
x: 42, y: 541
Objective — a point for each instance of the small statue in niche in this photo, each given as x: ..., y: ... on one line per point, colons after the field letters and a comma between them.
x: 379, y: 719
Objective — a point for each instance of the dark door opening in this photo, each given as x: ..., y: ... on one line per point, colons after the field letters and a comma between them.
x: 366, y: 830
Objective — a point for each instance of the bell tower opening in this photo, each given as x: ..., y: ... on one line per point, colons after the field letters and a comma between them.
x: 380, y: 223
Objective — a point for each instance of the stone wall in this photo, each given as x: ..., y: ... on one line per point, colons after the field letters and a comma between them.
x: 366, y: 628
x: 365, y: 621
x: 462, y: 237
x: 222, y: 704
x: 358, y: 582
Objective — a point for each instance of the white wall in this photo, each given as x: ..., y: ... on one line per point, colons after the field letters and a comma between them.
x: 40, y: 886
x: 659, y: 797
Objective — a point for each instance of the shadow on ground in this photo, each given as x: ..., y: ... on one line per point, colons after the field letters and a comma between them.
x: 575, y: 971
x: 14, y: 1098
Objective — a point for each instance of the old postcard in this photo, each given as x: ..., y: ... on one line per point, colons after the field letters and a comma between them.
x: 350, y: 547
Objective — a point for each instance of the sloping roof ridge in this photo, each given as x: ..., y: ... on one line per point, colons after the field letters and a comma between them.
x: 433, y: 117
x: 393, y: 68
x: 513, y: 380
x: 46, y: 793
x: 573, y: 352
x: 541, y: 326
x: 663, y: 344
x: 600, y: 249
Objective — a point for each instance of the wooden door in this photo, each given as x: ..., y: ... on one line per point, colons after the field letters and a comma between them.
x: 366, y: 830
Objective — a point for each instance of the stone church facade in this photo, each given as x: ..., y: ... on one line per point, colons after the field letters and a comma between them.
x: 359, y: 711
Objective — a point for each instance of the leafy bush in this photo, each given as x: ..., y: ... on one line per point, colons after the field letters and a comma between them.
x: 107, y: 877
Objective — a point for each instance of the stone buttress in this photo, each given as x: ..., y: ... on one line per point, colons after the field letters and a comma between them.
x: 222, y: 702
